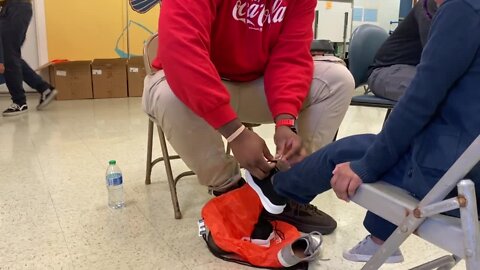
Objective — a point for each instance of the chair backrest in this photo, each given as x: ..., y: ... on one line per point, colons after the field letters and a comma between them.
x: 364, y: 44
x: 150, y: 52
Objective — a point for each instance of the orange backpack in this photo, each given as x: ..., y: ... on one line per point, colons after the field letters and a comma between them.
x: 231, y: 218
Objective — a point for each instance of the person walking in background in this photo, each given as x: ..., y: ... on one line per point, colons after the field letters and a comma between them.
x: 15, y: 18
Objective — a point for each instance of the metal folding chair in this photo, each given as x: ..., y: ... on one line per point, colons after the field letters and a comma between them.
x: 460, y: 236
x: 149, y: 53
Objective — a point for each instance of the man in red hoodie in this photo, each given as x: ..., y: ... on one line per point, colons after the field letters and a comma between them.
x: 224, y: 62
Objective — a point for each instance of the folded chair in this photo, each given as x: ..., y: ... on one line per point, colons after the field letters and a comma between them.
x: 149, y: 53
x: 459, y: 236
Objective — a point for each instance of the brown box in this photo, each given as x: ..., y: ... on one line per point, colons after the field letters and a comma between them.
x: 72, y: 79
x: 136, y: 75
x: 109, y: 78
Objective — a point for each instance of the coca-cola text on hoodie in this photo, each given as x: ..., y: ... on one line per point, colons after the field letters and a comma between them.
x: 203, y: 41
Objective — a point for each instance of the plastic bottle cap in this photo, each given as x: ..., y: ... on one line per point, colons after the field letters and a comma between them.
x: 112, y: 162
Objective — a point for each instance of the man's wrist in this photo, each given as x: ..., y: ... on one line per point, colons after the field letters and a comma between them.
x: 228, y: 129
x: 286, y: 120
x: 284, y: 116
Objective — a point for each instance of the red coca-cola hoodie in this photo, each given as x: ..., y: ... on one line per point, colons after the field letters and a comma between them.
x: 202, y: 41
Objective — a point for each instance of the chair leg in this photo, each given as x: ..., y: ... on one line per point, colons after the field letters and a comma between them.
x: 148, y: 172
x: 168, y: 169
x: 470, y: 227
x: 366, y: 89
x: 386, y: 116
x: 228, y: 151
x: 443, y: 263
x: 336, y: 135
x: 408, y: 226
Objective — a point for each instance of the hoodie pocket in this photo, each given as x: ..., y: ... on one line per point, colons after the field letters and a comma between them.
x: 438, y: 147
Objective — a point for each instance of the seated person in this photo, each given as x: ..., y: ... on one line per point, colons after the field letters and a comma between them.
x: 395, y: 63
x: 431, y: 126
x: 261, y: 50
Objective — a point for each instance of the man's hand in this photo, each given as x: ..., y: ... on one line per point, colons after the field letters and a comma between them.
x: 289, y: 145
x: 252, y: 153
x: 2, y: 68
x: 345, y: 181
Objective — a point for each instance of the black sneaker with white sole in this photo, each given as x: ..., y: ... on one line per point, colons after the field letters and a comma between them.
x: 262, y: 233
x: 15, y: 109
x: 46, y: 98
x: 271, y: 201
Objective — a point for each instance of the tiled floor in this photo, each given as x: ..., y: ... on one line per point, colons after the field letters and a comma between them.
x: 53, y: 212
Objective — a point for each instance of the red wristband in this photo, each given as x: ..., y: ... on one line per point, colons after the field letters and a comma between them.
x: 285, y: 122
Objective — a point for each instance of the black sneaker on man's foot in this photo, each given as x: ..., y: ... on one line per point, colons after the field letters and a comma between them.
x: 271, y: 201
x: 15, y: 109
x: 46, y: 98
x: 305, y: 217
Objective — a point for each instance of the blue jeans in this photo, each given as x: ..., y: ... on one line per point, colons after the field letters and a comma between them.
x: 15, y: 18
x: 304, y: 181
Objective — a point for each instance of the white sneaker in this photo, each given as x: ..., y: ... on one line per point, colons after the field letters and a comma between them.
x: 365, y: 250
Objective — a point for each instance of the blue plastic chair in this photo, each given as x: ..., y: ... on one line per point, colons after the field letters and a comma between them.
x: 365, y: 42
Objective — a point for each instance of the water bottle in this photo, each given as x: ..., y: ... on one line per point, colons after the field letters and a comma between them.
x: 114, y: 179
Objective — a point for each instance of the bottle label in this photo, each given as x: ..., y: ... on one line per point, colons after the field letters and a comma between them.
x: 115, y: 179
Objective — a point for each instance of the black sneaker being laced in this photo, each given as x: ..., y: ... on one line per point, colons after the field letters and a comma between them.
x: 271, y: 201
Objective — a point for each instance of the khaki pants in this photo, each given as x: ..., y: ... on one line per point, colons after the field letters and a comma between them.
x: 201, y: 147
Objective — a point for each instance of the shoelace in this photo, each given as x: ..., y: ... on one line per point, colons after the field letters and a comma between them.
x: 314, y: 249
x: 309, y: 208
x: 277, y: 231
x: 14, y: 106
x: 362, y: 243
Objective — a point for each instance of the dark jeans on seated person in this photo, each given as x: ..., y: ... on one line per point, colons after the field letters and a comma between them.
x: 312, y: 176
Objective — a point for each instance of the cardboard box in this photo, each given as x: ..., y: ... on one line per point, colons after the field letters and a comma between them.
x: 109, y: 77
x: 46, y: 71
x: 72, y: 79
x: 136, y: 75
